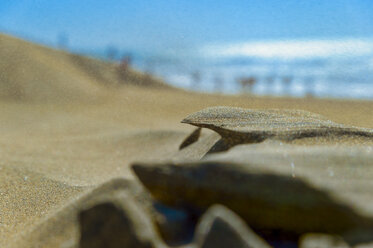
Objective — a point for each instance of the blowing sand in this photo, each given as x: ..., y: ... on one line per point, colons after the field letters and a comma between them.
x: 56, y: 147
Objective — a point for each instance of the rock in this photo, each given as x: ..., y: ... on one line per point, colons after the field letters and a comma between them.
x: 344, y: 173
x: 117, y: 222
x: 175, y: 225
x: 322, y: 241
x: 61, y: 228
x: 192, y: 138
x: 220, y: 227
x: 208, y: 140
x: 268, y: 193
x: 244, y: 126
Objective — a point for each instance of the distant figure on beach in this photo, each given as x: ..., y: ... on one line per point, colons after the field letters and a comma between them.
x: 286, y: 84
x: 124, y: 64
x: 196, y: 80
x: 247, y: 84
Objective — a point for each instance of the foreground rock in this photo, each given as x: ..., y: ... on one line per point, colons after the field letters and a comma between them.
x: 61, y: 228
x: 321, y: 241
x: 117, y: 222
x: 206, y: 143
x: 344, y: 173
x: 289, y: 188
x: 192, y: 138
x: 220, y: 228
x: 176, y: 226
x: 244, y: 126
x: 318, y: 240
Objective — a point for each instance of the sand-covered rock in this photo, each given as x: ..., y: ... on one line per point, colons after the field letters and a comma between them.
x: 220, y: 228
x: 176, y: 226
x: 117, y: 222
x: 265, y: 200
x: 343, y: 172
x: 192, y: 138
x: 244, y: 126
x: 60, y: 228
x: 318, y: 240
x: 206, y: 143
x: 321, y: 241
x: 295, y: 189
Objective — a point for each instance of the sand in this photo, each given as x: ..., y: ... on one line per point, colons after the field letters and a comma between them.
x: 64, y: 132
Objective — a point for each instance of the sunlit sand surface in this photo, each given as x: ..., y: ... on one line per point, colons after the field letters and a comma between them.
x: 69, y: 125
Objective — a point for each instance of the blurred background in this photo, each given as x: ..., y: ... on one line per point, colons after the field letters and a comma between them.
x: 312, y: 48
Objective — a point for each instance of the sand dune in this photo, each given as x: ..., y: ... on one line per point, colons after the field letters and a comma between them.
x: 36, y: 73
x: 69, y: 125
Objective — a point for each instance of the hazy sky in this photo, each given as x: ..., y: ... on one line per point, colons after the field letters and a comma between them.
x: 158, y: 24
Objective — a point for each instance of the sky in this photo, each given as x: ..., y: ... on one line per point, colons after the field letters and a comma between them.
x: 156, y: 25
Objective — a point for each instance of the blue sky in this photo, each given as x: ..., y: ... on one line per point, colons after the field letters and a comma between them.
x: 183, y: 24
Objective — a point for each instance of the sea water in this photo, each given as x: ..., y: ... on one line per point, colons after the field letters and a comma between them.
x: 340, y: 68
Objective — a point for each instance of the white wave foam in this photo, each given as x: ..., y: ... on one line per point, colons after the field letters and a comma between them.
x: 292, y: 49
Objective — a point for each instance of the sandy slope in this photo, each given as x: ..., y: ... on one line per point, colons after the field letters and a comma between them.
x: 32, y: 72
x: 63, y: 131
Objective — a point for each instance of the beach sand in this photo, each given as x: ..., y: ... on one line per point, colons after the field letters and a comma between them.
x: 56, y: 147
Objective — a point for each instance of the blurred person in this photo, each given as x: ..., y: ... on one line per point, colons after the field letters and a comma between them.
x: 286, y: 84
x: 247, y: 84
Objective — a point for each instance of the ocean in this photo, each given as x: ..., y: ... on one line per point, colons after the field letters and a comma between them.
x: 339, y: 68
